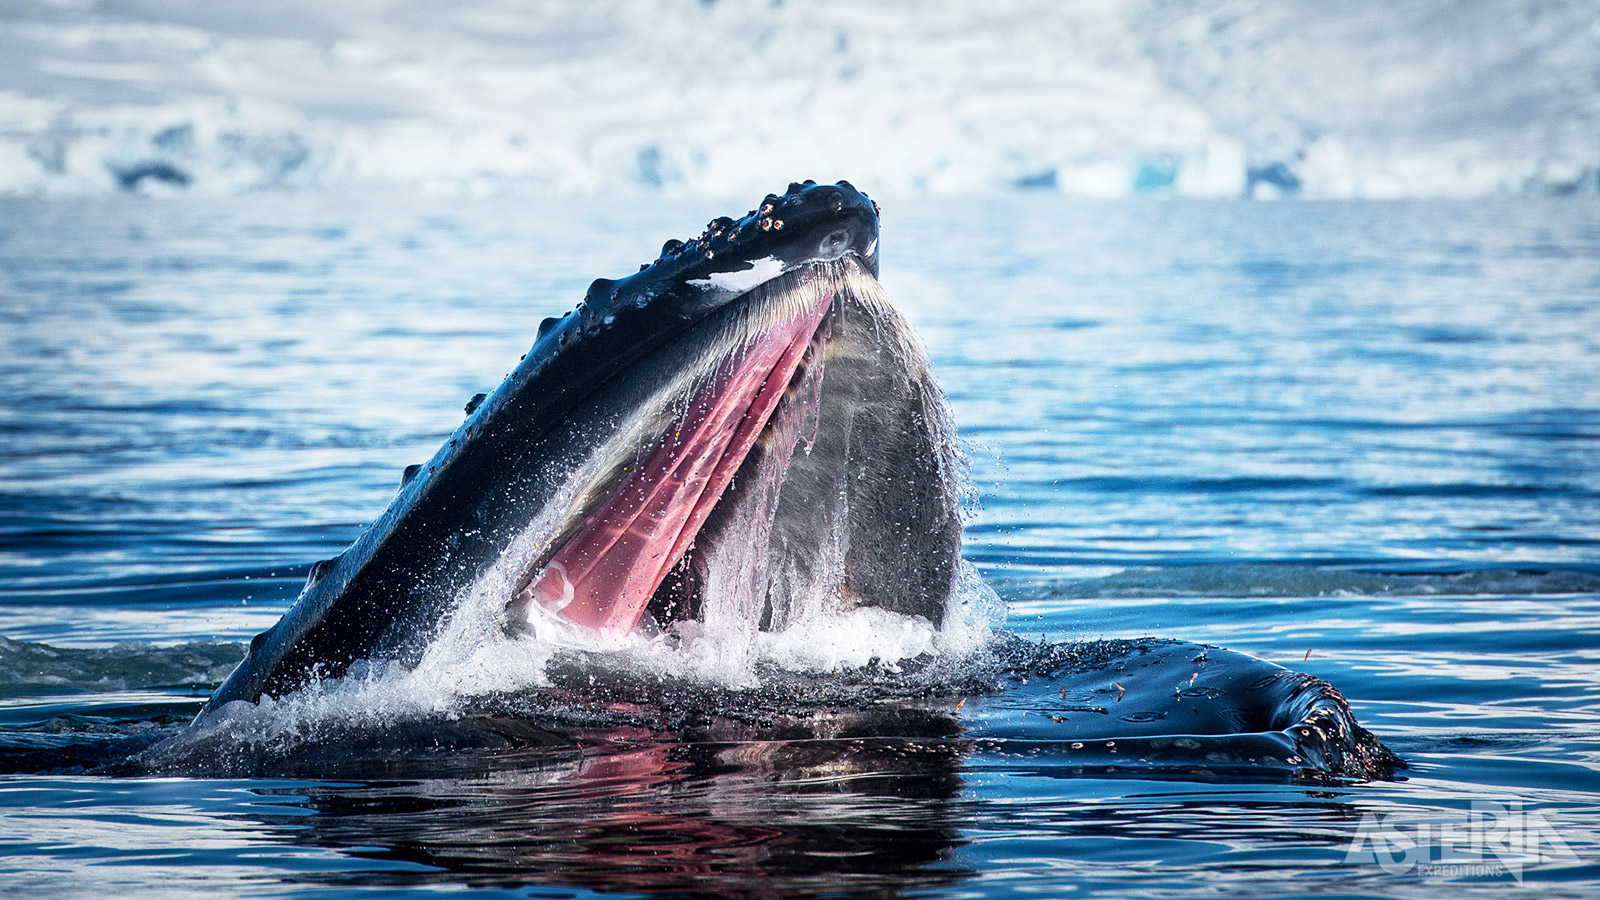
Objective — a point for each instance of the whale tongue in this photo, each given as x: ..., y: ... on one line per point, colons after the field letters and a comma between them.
x: 606, y: 573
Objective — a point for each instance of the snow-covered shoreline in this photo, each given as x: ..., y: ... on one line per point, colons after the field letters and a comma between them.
x: 1124, y: 97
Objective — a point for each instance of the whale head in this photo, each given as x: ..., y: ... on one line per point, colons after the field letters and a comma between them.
x: 745, y: 429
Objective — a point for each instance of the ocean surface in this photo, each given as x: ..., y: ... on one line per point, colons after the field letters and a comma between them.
x: 1360, y: 440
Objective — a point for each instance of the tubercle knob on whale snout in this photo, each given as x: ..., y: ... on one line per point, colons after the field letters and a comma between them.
x: 319, y: 570
x: 810, y: 195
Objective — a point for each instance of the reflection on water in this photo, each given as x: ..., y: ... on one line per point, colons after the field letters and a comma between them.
x: 636, y: 813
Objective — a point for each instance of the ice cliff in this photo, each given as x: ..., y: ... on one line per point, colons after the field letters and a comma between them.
x: 1350, y: 99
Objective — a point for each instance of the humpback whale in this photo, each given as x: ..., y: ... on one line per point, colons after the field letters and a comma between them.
x: 745, y: 428
x: 747, y: 419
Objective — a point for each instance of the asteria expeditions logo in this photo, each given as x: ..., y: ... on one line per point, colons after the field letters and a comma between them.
x: 1491, y: 840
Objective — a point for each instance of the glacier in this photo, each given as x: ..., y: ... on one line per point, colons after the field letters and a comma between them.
x: 1230, y: 98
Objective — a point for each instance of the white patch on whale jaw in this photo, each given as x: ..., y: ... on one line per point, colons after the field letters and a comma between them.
x: 739, y: 281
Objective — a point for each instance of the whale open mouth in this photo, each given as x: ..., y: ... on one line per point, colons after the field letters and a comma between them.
x: 786, y: 456
x: 609, y: 568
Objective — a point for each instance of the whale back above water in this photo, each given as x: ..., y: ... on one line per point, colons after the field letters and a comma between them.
x: 1146, y: 708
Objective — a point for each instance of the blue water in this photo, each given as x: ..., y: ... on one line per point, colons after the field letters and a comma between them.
x: 1360, y: 440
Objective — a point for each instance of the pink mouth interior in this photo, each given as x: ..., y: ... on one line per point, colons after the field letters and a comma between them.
x: 606, y: 573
